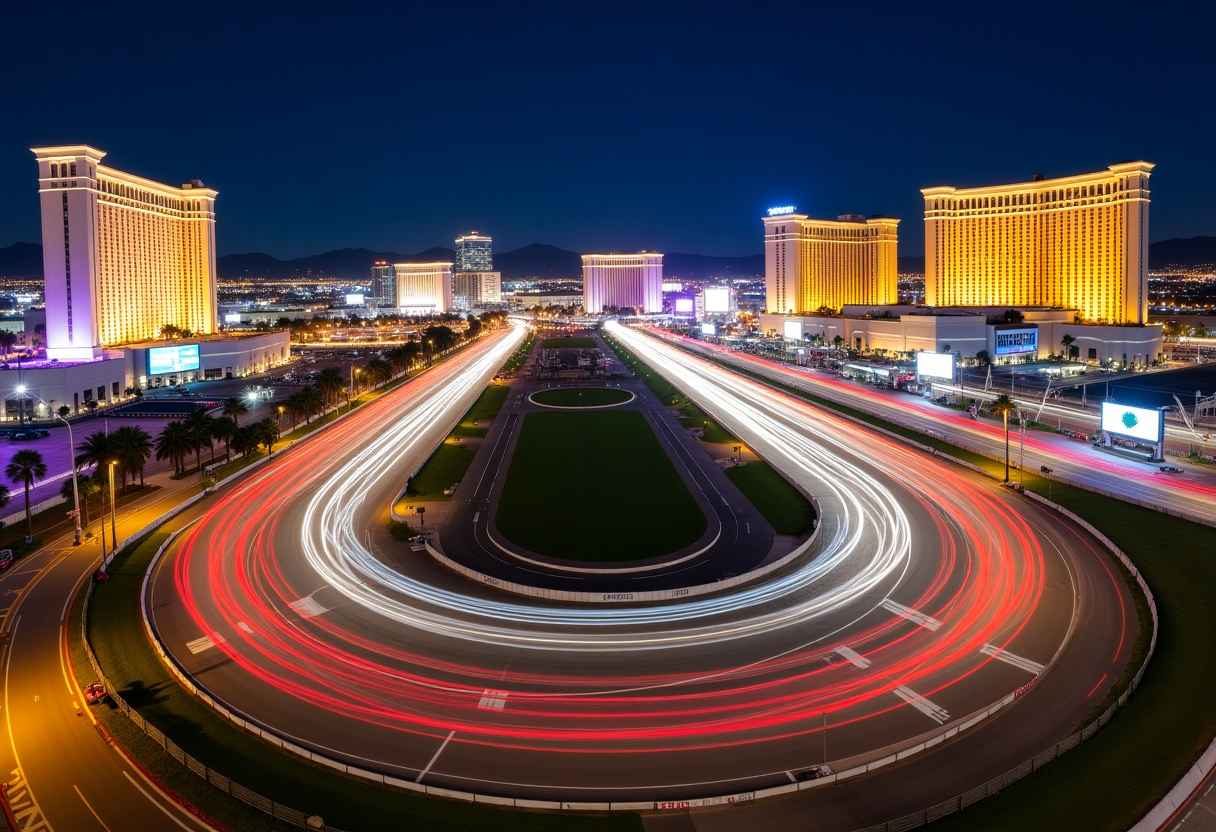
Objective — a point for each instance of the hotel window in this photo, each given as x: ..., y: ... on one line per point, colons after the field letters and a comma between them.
x: 73, y: 173
x: 54, y: 170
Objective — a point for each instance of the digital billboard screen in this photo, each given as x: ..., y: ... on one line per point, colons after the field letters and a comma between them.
x: 671, y: 286
x: 176, y: 359
x: 935, y: 365
x: 1017, y: 341
x: 354, y: 299
x: 709, y: 329
x: 717, y: 300
x: 684, y: 306
x: 791, y: 330
x: 1133, y: 422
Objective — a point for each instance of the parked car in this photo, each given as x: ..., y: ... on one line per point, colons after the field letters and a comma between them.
x: 94, y: 692
x: 6, y: 558
x: 1171, y: 469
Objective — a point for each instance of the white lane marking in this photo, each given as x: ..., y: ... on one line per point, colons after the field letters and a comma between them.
x: 200, y: 644
x: 154, y: 801
x: 850, y: 655
x: 1010, y: 658
x: 444, y: 745
x: 91, y: 809
x: 245, y: 627
x: 307, y: 607
x: 493, y: 699
x: 476, y: 514
x: 934, y: 712
x: 912, y: 615
x: 790, y: 775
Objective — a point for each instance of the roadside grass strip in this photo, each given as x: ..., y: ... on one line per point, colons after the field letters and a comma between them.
x: 346, y: 803
x: 782, y: 505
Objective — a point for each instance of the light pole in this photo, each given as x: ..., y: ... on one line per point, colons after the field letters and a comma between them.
x: 75, y: 486
x: 1005, y: 417
x: 113, y: 525
x: 20, y: 395
x: 1021, y: 444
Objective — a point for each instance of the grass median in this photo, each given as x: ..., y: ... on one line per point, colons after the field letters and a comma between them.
x: 581, y: 397
x: 568, y: 343
x: 783, y: 505
x: 1115, y: 778
x: 595, y: 486
x: 136, y: 673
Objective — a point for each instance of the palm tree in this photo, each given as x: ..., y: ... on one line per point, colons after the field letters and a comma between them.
x: 175, y: 442
x: 266, y: 432
x: 98, y: 449
x: 4, y: 495
x: 86, y: 488
x: 244, y: 442
x: 199, y: 424
x: 134, y: 446
x: 224, y: 429
x: 1002, y: 406
x: 1066, y: 342
x: 311, y: 401
x: 330, y: 382
x: 400, y: 358
x: 26, y: 467
x: 7, y: 340
x: 234, y: 408
x: 295, y: 407
x: 378, y: 371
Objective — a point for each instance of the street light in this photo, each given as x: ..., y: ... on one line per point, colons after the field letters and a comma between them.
x: 75, y: 486
x: 21, y: 388
x: 113, y: 527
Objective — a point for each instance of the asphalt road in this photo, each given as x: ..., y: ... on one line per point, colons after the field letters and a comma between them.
x: 1192, y: 492
x: 63, y: 776
x: 934, y: 594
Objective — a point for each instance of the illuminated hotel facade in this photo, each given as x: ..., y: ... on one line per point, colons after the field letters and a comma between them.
x: 473, y: 289
x: 424, y: 288
x: 810, y: 264
x: 474, y: 253
x: 122, y: 255
x: 623, y: 280
x: 1077, y: 242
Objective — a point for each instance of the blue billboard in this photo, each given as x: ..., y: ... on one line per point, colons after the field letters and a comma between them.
x: 1017, y: 341
x: 176, y: 359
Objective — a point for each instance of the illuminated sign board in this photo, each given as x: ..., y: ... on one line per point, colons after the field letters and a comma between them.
x: 175, y: 359
x: 782, y: 210
x: 1133, y: 422
x: 1017, y: 341
x: 672, y: 287
x: 717, y: 300
x: 354, y: 300
x: 232, y: 317
x: 791, y: 330
x: 935, y: 365
x: 684, y: 306
x: 709, y: 329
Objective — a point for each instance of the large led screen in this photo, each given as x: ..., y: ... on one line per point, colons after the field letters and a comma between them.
x: 717, y: 300
x: 791, y: 330
x: 684, y: 306
x: 935, y: 365
x: 709, y: 329
x: 1016, y: 341
x: 176, y: 359
x: 1132, y: 422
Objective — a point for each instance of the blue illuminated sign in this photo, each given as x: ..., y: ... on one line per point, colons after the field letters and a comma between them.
x: 781, y: 211
x: 175, y: 359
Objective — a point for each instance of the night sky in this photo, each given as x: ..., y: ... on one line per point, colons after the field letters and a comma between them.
x: 603, y: 126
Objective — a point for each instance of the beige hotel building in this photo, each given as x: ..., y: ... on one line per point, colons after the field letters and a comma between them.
x: 810, y: 264
x: 122, y: 255
x: 623, y: 280
x: 424, y: 288
x: 1077, y: 242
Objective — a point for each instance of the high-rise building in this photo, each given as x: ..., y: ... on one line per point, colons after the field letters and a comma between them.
x: 423, y: 288
x: 811, y: 264
x: 474, y: 253
x: 623, y: 281
x: 384, y: 285
x: 1078, y: 242
x: 122, y: 255
x: 473, y: 289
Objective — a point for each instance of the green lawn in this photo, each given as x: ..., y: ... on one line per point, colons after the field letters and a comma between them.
x: 116, y: 632
x: 595, y: 486
x: 574, y: 397
x: 445, y: 468
x: 782, y: 505
x: 568, y: 343
x: 487, y: 405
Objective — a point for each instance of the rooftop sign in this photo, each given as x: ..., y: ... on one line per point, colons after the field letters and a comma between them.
x: 784, y: 209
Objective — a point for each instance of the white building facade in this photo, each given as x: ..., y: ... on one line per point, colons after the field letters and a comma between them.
x: 424, y: 288
x: 623, y: 281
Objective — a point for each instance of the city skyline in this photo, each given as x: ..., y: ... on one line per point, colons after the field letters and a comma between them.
x: 710, y: 158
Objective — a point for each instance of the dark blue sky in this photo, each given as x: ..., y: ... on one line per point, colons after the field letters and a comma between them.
x: 603, y: 126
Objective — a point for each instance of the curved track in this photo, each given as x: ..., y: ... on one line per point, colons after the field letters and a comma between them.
x: 929, y: 595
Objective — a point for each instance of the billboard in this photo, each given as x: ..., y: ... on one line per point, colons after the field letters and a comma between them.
x: 1016, y: 341
x: 791, y: 330
x: 935, y: 365
x: 176, y: 359
x: 1133, y: 422
x: 717, y: 300
x: 354, y: 299
x: 709, y: 329
x: 232, y: 317
x: 684, y: 306
x: 671, y: 286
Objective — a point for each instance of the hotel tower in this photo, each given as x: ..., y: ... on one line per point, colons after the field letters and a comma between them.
x: 122, y: 255
x: 1079, y: 242
x: 623, y: 280
x: 810, y: 264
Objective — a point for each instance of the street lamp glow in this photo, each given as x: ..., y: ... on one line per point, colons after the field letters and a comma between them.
x: 21, y: 389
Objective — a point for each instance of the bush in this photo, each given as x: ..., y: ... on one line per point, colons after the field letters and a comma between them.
x: 400, y: 531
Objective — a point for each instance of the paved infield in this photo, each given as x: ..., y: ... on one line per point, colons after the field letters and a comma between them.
x: 930, y: 594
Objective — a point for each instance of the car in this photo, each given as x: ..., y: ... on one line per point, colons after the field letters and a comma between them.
x: 6, y: 558
x: 94, y: 692
x: 101, y: 576
x: 1171, y: 469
